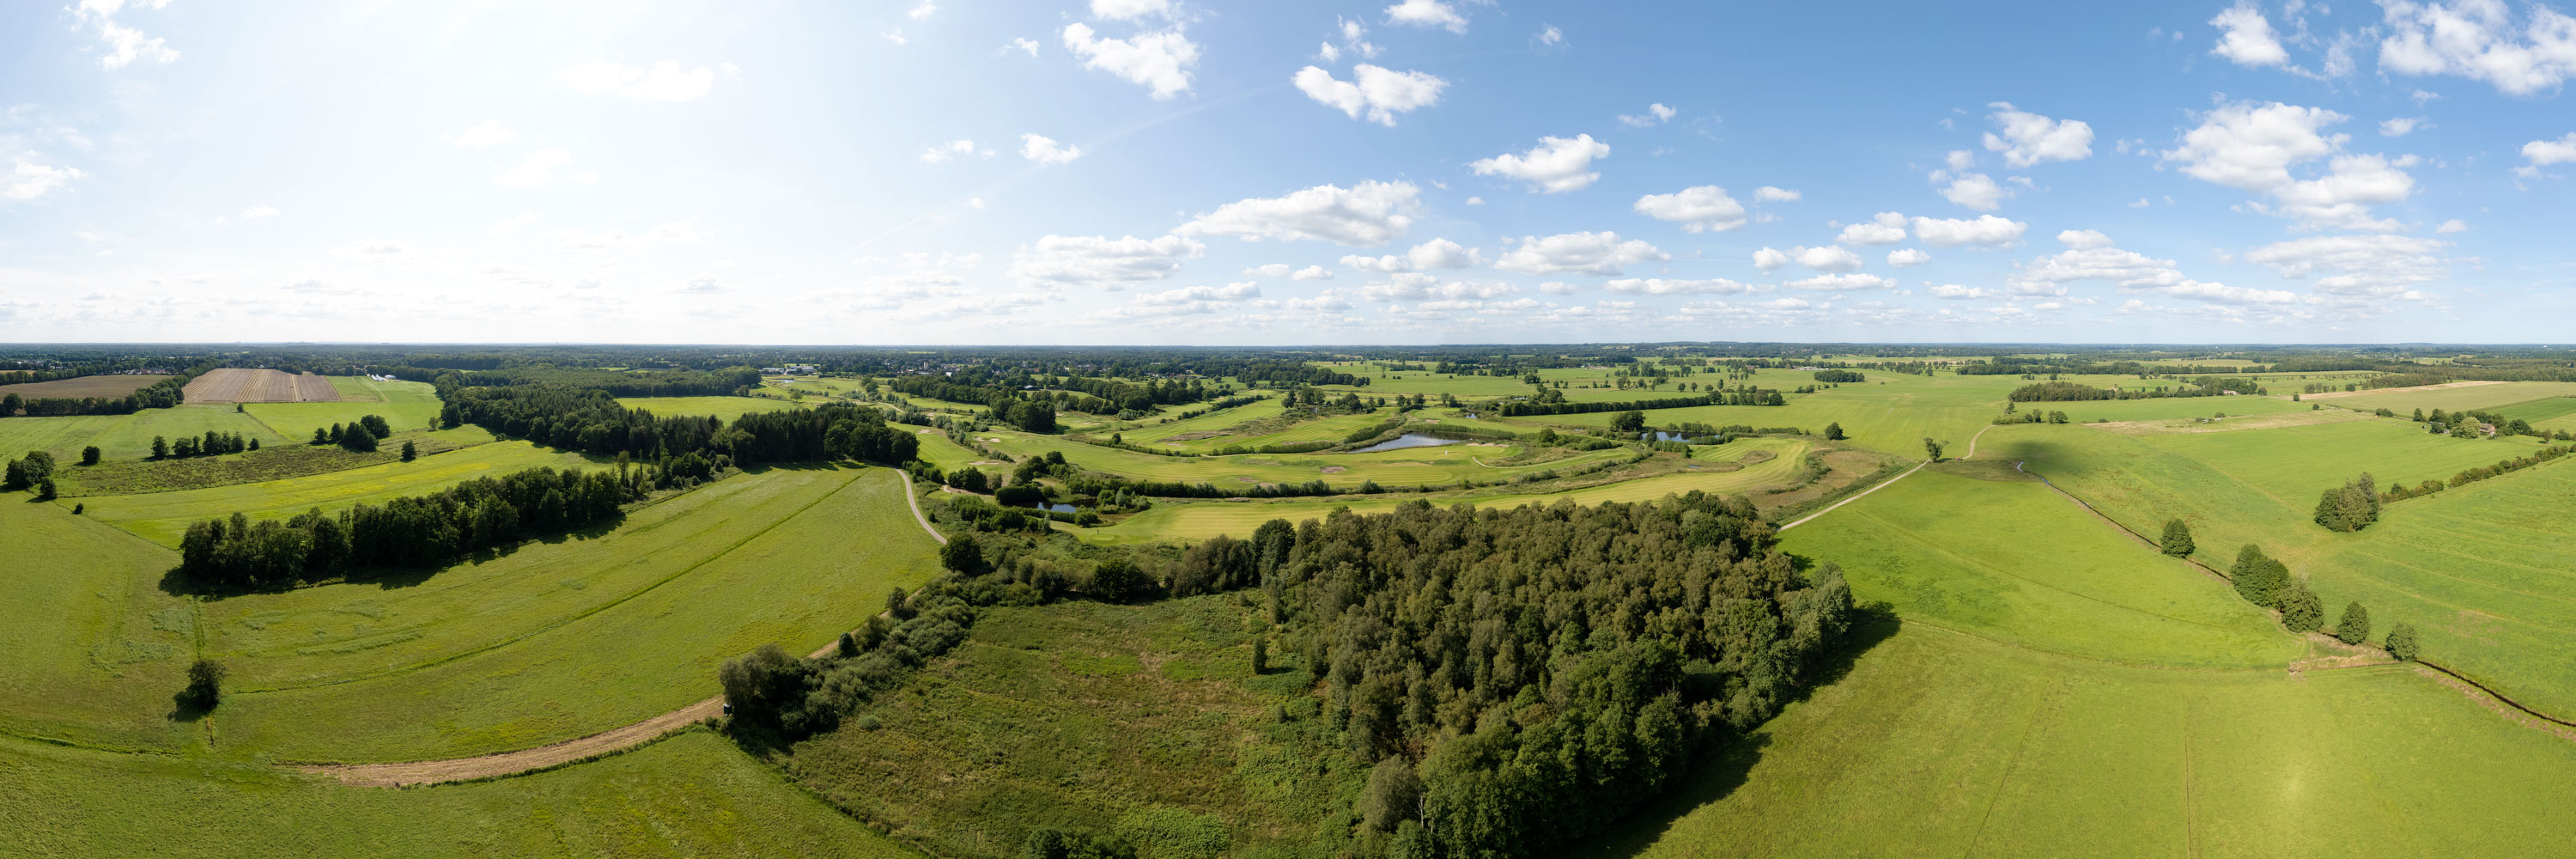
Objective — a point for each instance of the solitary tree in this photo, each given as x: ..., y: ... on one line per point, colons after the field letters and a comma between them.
x: 2354, y: 628
x: 1834, y: 432
x: 2401, y: 642
x: 1933, y: 447
x: 1260, y: 656
x: 898, y: 603
x: 2177, y: 540
x: 409, y: 452
x: 89, y: 455
x: 205, y: 684
x: 1629, y: 421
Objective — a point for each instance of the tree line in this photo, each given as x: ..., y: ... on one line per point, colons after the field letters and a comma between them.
x: 236, y: 553
x: 591, y: 421
x: 211, y: 444
x: 1739, y: 397
x: 2473, y: 475
x: 2058, y: 391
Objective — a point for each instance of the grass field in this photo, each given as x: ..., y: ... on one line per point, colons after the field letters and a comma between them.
x: 2456, y: 399
x: 163, y: 516
x: 1433, y: 465
x: 1891, y: 413
x: 96, y: 649
x: 404, y: 405
x: 112, y: 386
x: 562, y: 639
x: 127, y: 436
x: 723, y: 408
x: 2553, y: 413
x: 1937, y: 745
x: 691, y: 795
x: 134, y: 476
x: 1199, y: 520
x: 1251, y: 426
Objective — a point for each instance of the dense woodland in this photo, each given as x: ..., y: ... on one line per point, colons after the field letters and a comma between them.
x: 592, y: 421
x: 411, y: 531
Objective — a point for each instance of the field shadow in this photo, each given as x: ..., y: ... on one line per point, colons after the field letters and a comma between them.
x: 1729, y: 766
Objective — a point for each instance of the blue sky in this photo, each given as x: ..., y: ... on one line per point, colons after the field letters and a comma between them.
x: 1146, y: 171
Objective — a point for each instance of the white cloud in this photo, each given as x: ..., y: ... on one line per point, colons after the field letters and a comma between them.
x: 1906, y: 257
x: 2091, y: 256
x: 124, y: 44
x: 923, y: 11
x: 2402, y: 126
x: 1986, y: 230
x: 490, y: 133
x: 1955, y: 292
x: 1419, y: 287
x: 1841, y: 282
x: 2543, y: 153
x: 1655, y: 114
x: 1243, y: 291
x: 1025, y: 45
x: 1660, y: 286
x: 1101, y: 261
x: 1367, y: 214
x: 2139, y: 203
x: 28, y: 180
x: 1600, y: 253
x: 2084, y: 239
x: 1354, y: 39
x: 2453, y: 225
x: 1827, y: 258
x: 2361, y: 269
x: 1475, y: 201
x: 941, y: 153
x: 2252, y: 147
x: 1127, y: 10
x: 896, y: 36
x: 1436, y: 253
x: 256, y: 212
x: 666, y: 81
x: 1427, y: 13
x: 1959, y: 160
x: 1044, y: 150
x: 1769, y: 259
x: 1556, y: 165
x: 700, y: 286
x: 1704, y: 208
x: 1382, y: 93
x: 2029, y: 138
x: 537, y: 171
x: 2247, y: 38
x: 1548, y: 34
x: 2477, y: 39
x: 1973, y: 190
x: 1273, y: 270
x: 1160, y: 61
x: 1886, y: 228
x: 1768, y: 194
x: 1312, y: 272
x: 2343, y: 196
x: 513, y: 224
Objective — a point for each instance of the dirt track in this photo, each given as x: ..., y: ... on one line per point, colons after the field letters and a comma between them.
x: 604, y: 742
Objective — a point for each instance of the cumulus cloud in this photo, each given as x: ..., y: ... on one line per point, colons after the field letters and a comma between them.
x: 1101, y: 261
x: 1886, y: 228
x: 1044, y: 150
x: 2453, y: 225
x: 1160, y: 61
x: 490, y: 133
x: 1422, y: 287
x: 2479, y: 40
x: 1955, y: 292
x: 1768, y: 194
x: 1427, y: 13
x: 1827, y: 258
x: 1128, y: 10
x: 2251, y: 147
x: 1364, y: 215
x: 2402, y: 126
x: 2029, y: 138
x: 2542, y: 153
x: 1842, y: 282
x: 124, y: 44
x: 1704, y: 208
x: 1769, y: 259
x: 665, y: 81
x: 941, y: 153
x: 1243, y: 291
x: 2248, y: 39
x: 1024, y: 45
x: 1602, y: 253
x: 1655, y: 114
x: 28, y: 180
x: 1381, y: 93
x: 2084, y: 239
x: 1556, y: 165
x: 1661, y: 286
x: 1904, y: 257
x: 2090, y: 255
x: 2359, y: 269
x: 1436, y: 253
x: 1973, y: 190
x: 1985, y: 230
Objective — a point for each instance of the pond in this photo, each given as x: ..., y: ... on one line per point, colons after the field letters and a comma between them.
x: 1053, y: 508
x: 1670, y: 436
x: 1411, y: 439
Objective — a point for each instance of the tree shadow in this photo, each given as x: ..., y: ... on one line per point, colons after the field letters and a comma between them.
x: 186, y: 708
x: 1730, y: 765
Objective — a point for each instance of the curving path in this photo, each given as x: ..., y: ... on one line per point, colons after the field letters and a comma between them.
x: 1971, y: 454
x: 568, y: 751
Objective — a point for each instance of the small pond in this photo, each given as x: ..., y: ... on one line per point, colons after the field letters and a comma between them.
x: 1054, y: 508
x: 1411, y: 439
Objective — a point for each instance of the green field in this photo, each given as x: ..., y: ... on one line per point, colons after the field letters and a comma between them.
x: 722, y: 408
x: 96, y: 648
x: 1250, y: 426
x: 164, y: 516
x: 1891, y: 413
x: 133, y: 476
x: 1199, y: 520
x: 570, y: 637
x: 1416, y: 466
x: 688, y: 796
x: 2552, y: 413
x: 404, y: 405
x: 2455, y: 399
x: 128, y: 436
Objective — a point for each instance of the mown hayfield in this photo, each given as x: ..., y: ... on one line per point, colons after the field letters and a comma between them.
x: 1199, y: 520
x: 163, y: 516
x: 404, y: 405
x: 2455, y: 399
x: 126, y: 436
x: 567, y: 638
x: 95, y: 648
x: 279, y: 462
x: 2165, y: 408
x: 110, y: 386
x: 2485, y: 572
x: 1938, y: 745
x: 691, y: 795
x: 2012, y: 561
x: 1416, y: 466
x: 2554, y: 412
x: 722, y: 408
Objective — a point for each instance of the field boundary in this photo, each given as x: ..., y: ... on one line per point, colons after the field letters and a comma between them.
x: 1971, y: 454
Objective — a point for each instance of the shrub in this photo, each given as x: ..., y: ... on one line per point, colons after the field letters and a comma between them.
x: 2301, y: 611
x: 205, y: 684
x: 2354, y: 628
x: 2401, y: 642
x: 2177, y: 540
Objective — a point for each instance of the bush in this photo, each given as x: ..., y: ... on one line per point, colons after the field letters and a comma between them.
x: 2177, y: 540
x: 2401, y: 642
x: 2259, y: 578
x: 89, y: 455
x: 2301, y: 611
x: 2354, y: 628
x: 205, y: 684
x: 1119, y: 580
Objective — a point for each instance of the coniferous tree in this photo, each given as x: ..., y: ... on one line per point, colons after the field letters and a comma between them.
x: 2301, y: 610
x: 2354, y: 626
x: 2258, y: 577
x: 2177, y: 541
x: 2401, y: 642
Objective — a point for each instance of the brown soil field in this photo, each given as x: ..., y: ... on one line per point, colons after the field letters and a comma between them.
x: 237, y: 385
x: 83, y: 386
x: 2367, y: 392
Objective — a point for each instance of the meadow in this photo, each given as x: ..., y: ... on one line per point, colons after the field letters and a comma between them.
x: 1249, y: 426
x: 403, y: 405
x: 163, y: 517
x: 128, y: 436
x: 565, y: 638
x: 1415, y: 466
x: 117, y: 385
x: 2455, y: 399
x: 721, y: 408
x: 691, y: 795
x: 1891, y: 413
x: 96, y: 647
x: 280, y: 462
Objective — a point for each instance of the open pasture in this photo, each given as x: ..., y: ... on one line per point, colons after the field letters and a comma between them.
x: 111, y: 386
x: 404, y: 405
x: 277, y: 462
x: 96, y: 648
x: 1252, y: 426
x: 569, y: 637
x: 1890, y: 413
x: 688, y: 796
x: 2233, y: 422
x: 2452, y: 398
x: 1199, y: 520
x: 722, y: 408
x: 2550, y: 413
x: 125, y: 436
x: 1205, y: 432
x: 240, y: 385
x: 163, y: 516
x: 1940, y: 745
x: 1432, y: 465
